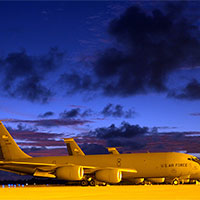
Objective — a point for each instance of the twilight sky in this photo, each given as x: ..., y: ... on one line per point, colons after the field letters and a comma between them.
x: 121, y: 73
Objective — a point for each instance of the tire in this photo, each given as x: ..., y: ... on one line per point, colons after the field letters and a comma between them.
x: 147, y: 183
x: 175, y: 181
x: 92, y: 182
x: 84, y: 183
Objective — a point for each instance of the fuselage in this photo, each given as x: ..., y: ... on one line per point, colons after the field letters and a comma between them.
x: 146, y: 164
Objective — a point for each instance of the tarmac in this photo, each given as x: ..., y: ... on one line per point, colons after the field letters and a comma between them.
x: 150, y: 192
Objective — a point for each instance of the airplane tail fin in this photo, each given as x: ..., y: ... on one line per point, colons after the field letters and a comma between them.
x: 73, y: 148
x: 112, y: 150
x: 9, y: 150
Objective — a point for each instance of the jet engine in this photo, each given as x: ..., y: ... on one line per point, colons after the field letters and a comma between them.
x: 109, y: 175
x: 71, y: 173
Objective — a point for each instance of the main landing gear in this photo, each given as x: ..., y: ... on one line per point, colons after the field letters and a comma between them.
x: 91, y: 182
x: 84, y: 183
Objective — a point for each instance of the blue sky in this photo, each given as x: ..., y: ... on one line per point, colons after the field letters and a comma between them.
x: 76, y: 68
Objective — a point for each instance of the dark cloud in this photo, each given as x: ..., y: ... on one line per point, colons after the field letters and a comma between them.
x: 155, y: 129
x: 43, y: 151
x: 92, y: 149
x: 35, y: 142
x: 124, y: 131
x: 159, y: 142
x: 23, y: 76
x: 31, y: 89
x: 30, y: 134
x: 155, y: 45
x: 190, y: 92
x: 74, y: 113
x: 195, y: 114
x: 133, y: 138
x: 149, y: 45
x: 70, y: 114
x: 127, y: 144
x: 43, y: 143
x: 117, y: 111
x: 46, y: 114
x: 128, y: 136
x: 22, y: 127
x: 51, y: 122
x: 87, y: 113
x: 76, y: 82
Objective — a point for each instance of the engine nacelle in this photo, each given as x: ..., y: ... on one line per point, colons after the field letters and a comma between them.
x: 109, y: 175
x: 71, y: 173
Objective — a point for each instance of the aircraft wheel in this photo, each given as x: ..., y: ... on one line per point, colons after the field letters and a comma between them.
x: 147, y: 183
x: 175, y: 181
x: 92, y: 182
x: 84, y: 183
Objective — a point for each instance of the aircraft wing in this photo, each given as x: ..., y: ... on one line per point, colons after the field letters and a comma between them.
x: 30, y: 164
x: 39, y: 169
x: 91, y: 169
x: 54, y: 166
x: 37, y: 166
x: 127, y: 170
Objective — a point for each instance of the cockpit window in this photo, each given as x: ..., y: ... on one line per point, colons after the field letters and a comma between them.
x: 195, y: 159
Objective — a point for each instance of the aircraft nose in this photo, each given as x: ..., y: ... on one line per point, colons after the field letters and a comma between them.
x: 194, y: 159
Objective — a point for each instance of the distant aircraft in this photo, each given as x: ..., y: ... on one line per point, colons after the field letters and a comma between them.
x: 107, y: 168
x: 112, y: 150
x: 73, y: 148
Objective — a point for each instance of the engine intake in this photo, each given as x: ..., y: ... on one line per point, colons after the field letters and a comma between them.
x: 71, y: 173
x: 109, y: 175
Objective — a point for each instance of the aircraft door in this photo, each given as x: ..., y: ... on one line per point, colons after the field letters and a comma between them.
x: 118, y: 162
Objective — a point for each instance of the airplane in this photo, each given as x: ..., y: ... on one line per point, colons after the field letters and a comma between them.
x: 74, y: 149
x: 106, y: 168
x: 112, y: 150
